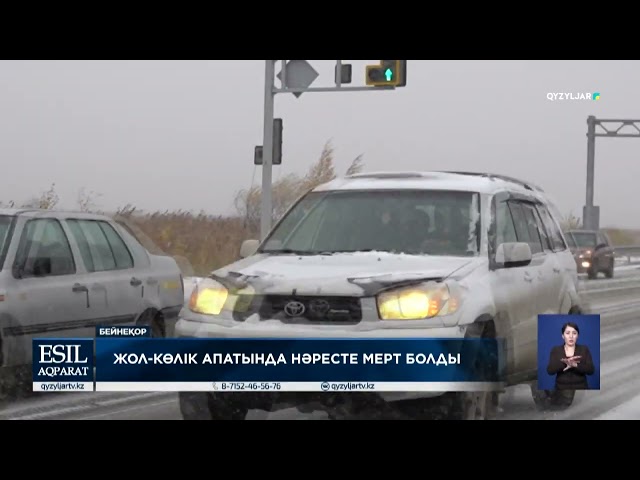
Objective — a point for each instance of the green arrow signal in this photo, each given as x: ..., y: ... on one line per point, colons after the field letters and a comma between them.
x: 388, y: 73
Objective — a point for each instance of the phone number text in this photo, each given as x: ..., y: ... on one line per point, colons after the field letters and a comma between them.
x: 247, y: 386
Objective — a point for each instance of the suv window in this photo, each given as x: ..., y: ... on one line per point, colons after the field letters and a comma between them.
x: 555, y: 234
x: 539, y: 225
x: 505, y: 230
x: 526, y: 226
x: 44, y: 250
x: 100, y: 245
x: 434, y: 222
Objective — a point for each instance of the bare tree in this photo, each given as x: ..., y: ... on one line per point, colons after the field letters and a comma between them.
x: 570, y: 222
x: 289, y: 188
x: 87, y: 200
x: 48, y: 200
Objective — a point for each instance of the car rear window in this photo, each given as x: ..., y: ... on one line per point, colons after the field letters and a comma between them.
x: 6, y: 230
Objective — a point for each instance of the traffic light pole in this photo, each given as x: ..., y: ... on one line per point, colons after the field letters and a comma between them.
x: 267, y: 146
x: 591, y: 213
x: 297, y: 82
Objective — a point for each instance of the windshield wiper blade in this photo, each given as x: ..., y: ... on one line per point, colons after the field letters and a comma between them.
x: 364, y: 250
x: 288, y: 251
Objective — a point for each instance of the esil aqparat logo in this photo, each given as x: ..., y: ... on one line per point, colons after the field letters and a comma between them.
x: 563, y: 96
x: 62, y: 360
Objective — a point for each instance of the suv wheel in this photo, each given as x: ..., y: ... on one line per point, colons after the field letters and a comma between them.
x: 452, y: 406
x: 209, y: 406
x: 457, y: 405
x: 609, y: 272
x: 552, y: 399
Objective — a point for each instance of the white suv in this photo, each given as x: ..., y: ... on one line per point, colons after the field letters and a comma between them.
x: 486, y: 250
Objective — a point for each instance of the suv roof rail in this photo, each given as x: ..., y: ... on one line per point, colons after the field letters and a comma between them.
x: 386, y: 175
x: 506, y: 178
x: 22, y: 210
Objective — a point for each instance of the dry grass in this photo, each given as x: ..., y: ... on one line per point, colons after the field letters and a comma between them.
x: 201, y: 243
x: 207, y: 242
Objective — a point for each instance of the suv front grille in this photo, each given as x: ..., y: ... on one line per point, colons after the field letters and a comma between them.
x: 305, y: 309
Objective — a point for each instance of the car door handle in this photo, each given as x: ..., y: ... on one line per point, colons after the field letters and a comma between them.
x: 79, y: 288
x: 556, y: 270
x: 528, y: 277
x: 135, y: 282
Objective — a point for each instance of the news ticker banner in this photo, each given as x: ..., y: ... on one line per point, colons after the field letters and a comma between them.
x: 128, y: 360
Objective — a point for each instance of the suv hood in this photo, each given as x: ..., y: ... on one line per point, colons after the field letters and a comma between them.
x: 358, y: 274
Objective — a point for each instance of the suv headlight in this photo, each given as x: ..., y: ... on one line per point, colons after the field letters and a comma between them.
x: 211, y: 298
x: 419, y: 302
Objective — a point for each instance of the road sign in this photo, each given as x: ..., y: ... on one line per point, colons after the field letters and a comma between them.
x: 299, y: 74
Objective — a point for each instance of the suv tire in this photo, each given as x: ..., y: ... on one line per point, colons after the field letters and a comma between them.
x: 209, y: 406
x: 457, y: 405
x: 552, y: 399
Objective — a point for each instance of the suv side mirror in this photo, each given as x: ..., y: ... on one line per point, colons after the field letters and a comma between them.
x: 248, y: 248
x: 513, y: 254
x: 601, y: 246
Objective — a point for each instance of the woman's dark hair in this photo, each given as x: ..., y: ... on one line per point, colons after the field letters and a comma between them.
x: 572, y: 325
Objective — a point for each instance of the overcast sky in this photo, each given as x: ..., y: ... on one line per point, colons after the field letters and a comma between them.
x: 180, y: 134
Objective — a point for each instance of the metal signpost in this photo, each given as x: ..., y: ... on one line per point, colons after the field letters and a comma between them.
x: 296, y: 77
x: 591, y: 213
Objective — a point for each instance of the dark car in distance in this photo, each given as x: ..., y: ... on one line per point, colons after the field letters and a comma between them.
x: 593, y: 252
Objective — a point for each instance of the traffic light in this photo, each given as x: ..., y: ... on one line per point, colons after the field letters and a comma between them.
x: 276, y: 159
x: 387, y: 73
x: 344, y: 75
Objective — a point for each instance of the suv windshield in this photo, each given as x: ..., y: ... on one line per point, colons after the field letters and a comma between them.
x: 583, y: 239
x: 432, y: 222
x: 6, y: 223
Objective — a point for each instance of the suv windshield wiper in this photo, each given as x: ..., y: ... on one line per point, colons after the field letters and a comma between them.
x: 287, y: 251
x: 326, y: 252
x: 290, y: 251
x: 332, y: 252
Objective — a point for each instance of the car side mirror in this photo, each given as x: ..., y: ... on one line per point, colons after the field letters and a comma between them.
x: 513, y: 254
x: 600, y: 246
x: 248, y: 248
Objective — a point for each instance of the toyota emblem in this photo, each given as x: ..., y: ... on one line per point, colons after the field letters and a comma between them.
x: 294, y: 308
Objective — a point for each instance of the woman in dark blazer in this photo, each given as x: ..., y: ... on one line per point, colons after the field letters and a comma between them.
x: 570, y: 362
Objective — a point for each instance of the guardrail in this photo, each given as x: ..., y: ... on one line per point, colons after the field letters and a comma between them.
x: 627, y: 252
x: 615, y: 296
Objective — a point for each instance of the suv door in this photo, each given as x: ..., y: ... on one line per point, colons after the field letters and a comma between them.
x: 514, y: 293
x: 111, y: 264
x: 536, y: 287
x: 548, y: 270
x: 52, y: 295
x: 565, y: 269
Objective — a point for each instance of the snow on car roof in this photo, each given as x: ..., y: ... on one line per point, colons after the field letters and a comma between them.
x: 431, y: 180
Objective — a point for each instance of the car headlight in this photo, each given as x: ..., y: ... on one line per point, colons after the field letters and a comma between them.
x: 211, y: 298
x: 419, y: 302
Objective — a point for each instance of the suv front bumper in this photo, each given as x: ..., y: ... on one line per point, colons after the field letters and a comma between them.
x: 227, y: 328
